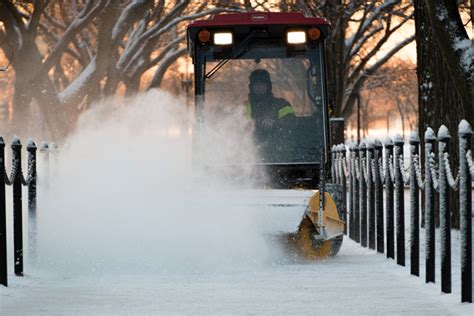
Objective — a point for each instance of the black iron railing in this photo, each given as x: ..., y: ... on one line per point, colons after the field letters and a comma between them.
x: 376, y: 183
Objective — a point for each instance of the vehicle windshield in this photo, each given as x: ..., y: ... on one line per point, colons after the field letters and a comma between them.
x: 281, y: 99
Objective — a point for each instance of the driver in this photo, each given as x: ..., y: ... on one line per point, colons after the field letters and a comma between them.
x: 271, y: 115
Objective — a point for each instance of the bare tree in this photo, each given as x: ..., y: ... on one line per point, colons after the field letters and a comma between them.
x: 359, y: 32
x: 67, y: 56
x: 399, y: 83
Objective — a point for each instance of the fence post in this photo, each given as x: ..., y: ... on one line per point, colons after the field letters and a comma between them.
x: 17, y: 207
x: 370, y: 194
x: 414, y: 208
x: 465, y: 211
x: 344, y: 183
x: 379, y: 197
x: 430, y: 140
x: 3, y: 218
x: 363, y: 195
x: 32, y: 206
x: 399, y: 199
x: 445, y: 213
x: 355, y: 201
x: 388, y: 144
x: 351, y: 191
x: 333, y: 164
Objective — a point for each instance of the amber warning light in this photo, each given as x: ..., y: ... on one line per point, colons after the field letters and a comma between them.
x: 314, y: 33
x: 204, y: 36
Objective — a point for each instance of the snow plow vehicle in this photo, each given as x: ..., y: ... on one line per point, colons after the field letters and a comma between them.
x: 275, y: 64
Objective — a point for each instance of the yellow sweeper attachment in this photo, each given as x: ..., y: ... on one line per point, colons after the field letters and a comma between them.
x: 317, y: 237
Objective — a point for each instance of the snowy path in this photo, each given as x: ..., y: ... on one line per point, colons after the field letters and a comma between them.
x: 356, y: 282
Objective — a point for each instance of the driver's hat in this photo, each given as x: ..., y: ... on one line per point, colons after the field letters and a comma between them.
x: 260, y: 75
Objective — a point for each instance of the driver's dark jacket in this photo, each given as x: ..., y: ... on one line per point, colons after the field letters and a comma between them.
x: 273, y: 108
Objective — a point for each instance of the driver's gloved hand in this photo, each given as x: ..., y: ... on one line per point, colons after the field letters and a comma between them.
x: 268, y: 123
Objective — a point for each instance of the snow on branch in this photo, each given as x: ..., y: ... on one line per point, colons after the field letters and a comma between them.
x: 378, y: 46
x: 144, y: 44
x: 79, y: 84
x: 87, y: 14
x: 133, y: 12
x: 367, y: 20
x: 455, y: 46
x: 166, y: 62
x: 154, y: 61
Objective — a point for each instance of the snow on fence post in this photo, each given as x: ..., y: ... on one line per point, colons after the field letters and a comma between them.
x: 390, y: 231
x: 355, y: 197
x: 363, y: 194
x: 379, y: 196
x: 399, y: 199
x: 32, y: 205
x: 465, y: 211
x: 351, y: 191
x: 344, y: 183
x: 430, y: 140
x: 16, y: 180
x: 445, y: 213
x: 370, y: 195
x: 339, y: 171
x: 414, y: 208
x: 3, y: 218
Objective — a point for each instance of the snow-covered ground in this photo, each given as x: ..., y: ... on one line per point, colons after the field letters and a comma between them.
x: 356, y: 282
x: 127, y: 228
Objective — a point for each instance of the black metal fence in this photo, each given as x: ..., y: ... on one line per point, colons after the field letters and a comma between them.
x: 376, y: 177
x: 17, y: 180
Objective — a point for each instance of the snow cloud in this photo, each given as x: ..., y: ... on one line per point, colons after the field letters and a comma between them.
x: 125, y: 195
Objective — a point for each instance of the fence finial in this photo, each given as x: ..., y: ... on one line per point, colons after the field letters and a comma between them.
x: 397, y: 139
x: 464, y: 128
x: 414, y: 137
x: 443, y: 132
x: 377, y: 143
x: 430, y: 134
x: 16, y: 141
x: 31, y: 144
x: 44, y: 146
x: 388, y: 141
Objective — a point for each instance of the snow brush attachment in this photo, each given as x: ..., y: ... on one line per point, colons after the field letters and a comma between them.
x: 316, y: 238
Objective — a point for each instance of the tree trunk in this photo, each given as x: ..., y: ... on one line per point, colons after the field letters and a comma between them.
x: 439, y: 99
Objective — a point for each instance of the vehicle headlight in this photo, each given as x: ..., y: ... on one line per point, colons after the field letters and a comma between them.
x: 223, y: 38
x: 296, y: 37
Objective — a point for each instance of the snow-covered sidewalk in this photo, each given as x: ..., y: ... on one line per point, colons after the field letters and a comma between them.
x: 356, y: 282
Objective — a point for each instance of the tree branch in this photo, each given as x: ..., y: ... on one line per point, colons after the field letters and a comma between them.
x: 32, y: 26
x: 165, y: 64
x: 371, y: 70
x: 375, y: 49
x: 87, y: 14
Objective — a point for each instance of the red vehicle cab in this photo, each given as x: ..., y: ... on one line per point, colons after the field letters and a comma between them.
x: 227, y: 48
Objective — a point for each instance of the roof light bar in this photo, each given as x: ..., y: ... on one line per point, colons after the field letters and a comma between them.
x: 223, y: 38
x: 296, y: 37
